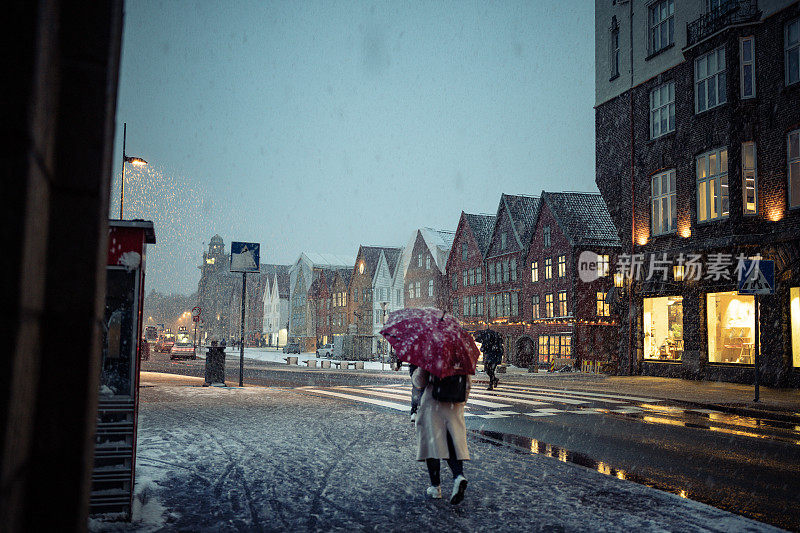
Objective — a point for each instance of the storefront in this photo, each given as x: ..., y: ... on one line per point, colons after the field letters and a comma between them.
x: 554, y: 346
x: 730, y: 327
x: 663, y: 328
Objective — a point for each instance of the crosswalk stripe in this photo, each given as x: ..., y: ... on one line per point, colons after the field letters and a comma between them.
x: 470, y: 400
x: 549, y: 399
x: 577, y: 393
x: 382, y: 403
x: 510, y: 400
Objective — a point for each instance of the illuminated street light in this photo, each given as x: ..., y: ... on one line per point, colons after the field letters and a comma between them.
x: 136, y: 161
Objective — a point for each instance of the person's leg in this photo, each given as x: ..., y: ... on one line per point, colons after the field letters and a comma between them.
x: 433, y: 471
x: 490, y: 373
x: 456, y: 465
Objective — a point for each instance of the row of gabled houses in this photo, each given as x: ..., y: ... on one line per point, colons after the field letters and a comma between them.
x: 516, y: 271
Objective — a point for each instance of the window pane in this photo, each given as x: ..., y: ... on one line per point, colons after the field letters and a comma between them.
x: 794, y: 183
x: 793, y: 65
x: 794, y: 145
x: 747, y: 50
x: 702, y: 202
x: 721, y: 94
x: 673, y: 213
x: 747, y: 72
x: 712, y: 163
x: 701, y: 167
x: 793, y: 33
x: 723, y: 161
x: 713, y: 194
x: 655, y: 217
x: 712, y: 91
x: 671, y: 117
x: 701, y: 96
x: 672, y: 181
x: 655, y: 186
x: 702, y: 71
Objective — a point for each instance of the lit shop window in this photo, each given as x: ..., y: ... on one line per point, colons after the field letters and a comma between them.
x: 663, y: 328
x: 731, y: 327
x: 794, y: 316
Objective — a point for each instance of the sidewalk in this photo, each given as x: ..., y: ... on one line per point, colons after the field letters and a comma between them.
x: 274, y: 459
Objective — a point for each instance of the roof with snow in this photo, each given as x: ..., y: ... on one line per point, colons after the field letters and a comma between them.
x: 583, y: 217
x: 372, y: 254
x: 481, y: 226
x: 330, y: 260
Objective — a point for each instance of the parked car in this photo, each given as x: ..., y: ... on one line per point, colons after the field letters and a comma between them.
x: 325, y: 350
x: 292, y: 347
x: 165, y: 343
x: 183, y: 348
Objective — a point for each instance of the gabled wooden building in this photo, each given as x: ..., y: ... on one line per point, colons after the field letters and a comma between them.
x: 425, y: 279
x: 466, y: 272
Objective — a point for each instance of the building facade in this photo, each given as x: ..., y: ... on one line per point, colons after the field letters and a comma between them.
x: 505, y: 260
x: 275, y: 325
x: 214, y: 292
x: 424, y: 278
x: 566, y: 280
x: 698, y: 157
x: 465, y: 270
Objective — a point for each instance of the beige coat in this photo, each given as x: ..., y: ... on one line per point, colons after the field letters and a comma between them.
x: 435, y: 419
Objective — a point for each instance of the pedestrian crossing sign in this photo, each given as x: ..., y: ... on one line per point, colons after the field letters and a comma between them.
x: 757, y: 276
x: 245, y: 256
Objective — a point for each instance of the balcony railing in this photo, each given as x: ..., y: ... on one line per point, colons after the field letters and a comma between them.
x: 727, y: 14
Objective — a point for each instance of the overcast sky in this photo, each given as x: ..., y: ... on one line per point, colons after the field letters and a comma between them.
x: 320, y: 126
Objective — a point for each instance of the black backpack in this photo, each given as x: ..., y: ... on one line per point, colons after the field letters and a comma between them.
x: 449, y: 389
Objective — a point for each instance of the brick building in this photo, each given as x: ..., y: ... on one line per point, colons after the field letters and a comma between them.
x: 424, y: 276
x: 566, y: 279
x: 698, y: 152
x: 505, y: 260
x: 214, y: 291
x: 465, y: 270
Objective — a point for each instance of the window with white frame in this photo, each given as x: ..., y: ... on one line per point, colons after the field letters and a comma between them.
x: 472, y: 276
x: 546, y: 237
x: 548, y: 305
x: 562, y: 303
x: 479, y: 275
x: 664, y: 212
x: 465, y: 278
x: 709, y: 80
x: 410, y: 291
x: 464, y: 251
x: 793, y: 159
x: 712, y: 185
x: 662, y: 110
x: 661, y: 19
x: 614, y: 48
x: 417, y: 291
x: 505, y: 270
x: 603, y: 265
x: 792, y: 51
x: 419, y: 260
x: 503, y: 241
x: 747, y: 67
x: 603, y: 307
x: 512, y: 265
x: 428, y: 263
x: 491, y: 273
x: 749, y: 187
x: 480, y: 305
x: 430, y: 288
x: 514, y: 297
x: 535, y: 306
x: 534, y: 271
x: 562, y: 266
x: 548, y: 268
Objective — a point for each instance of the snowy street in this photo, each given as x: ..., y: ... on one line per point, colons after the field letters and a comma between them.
x: 278, y: 459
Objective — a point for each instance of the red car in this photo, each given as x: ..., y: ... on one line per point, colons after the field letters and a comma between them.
x: 182, y: 349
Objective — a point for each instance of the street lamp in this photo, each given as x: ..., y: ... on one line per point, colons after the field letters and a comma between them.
x: 137, y: 161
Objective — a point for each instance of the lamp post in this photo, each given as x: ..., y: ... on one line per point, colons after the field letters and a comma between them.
x: 138, y: 161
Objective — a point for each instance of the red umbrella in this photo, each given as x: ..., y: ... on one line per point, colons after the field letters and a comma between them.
x: 433, y: 340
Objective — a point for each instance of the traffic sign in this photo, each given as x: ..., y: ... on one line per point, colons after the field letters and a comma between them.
x: 196, y: 311
x: 757, y: 276
x: 195, y: 319
x: 245, y: 256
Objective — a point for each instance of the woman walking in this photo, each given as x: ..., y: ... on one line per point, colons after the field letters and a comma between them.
x: 441, y: 434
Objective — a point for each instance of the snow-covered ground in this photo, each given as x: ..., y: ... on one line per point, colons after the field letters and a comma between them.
x: 276, y: 355
x: 270, y: 459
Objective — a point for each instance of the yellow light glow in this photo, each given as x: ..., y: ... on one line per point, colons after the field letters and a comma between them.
x: 677, y: 272
x: 775, y: 214
x: 683, y: 494
x: 685, y: 232
x: 641, y: 240
x: 603, y: 468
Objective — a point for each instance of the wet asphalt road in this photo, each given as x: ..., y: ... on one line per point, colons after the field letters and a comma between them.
x: 744, y: 465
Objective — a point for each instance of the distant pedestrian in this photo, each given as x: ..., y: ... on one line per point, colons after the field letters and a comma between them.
x: 492, y: 349
x: 441, y: 434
